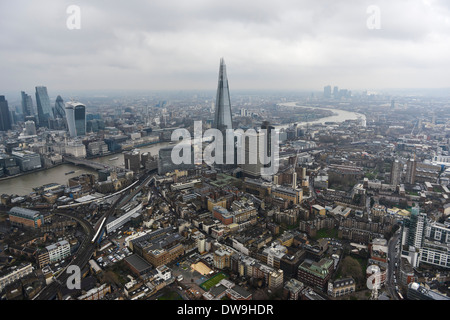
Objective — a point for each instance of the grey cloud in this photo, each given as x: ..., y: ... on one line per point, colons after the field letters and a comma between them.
x: 267, y: 44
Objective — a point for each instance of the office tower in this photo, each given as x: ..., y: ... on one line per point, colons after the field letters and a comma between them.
x: 132, y: 160
x: 44, y: 109
x: 27, y: 105
x: 5, y: 117
x: 222, y: 118
x: 327, y: 92
x: 336, y: 92
x: 58, y: 111
x: 76, y: 118
x: 396, y: 172
x: 30, y: 128
x: 253, y: 165
x: 414, y: 228
x: 411, y: 165
x: 410, y: 171
x: 392, y: 104
x: 13, y: 117
x: 27, y: 160
x: 269, y: 158
x: 166, y: 164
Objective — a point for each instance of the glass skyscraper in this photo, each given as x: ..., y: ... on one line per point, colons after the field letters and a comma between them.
x: 5, y: 117
x: 76, y: 118
x: 27, y: 104
x: 58, y: 111
x: 222, y: 118
x: 44, y: 109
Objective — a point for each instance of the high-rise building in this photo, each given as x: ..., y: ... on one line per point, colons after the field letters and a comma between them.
x: 327, y: 91
x: 410, y: 171
x: 58, y: 111
x: 132, y: 160
x: 336, y: 92
x: 5, y: 117
x: 268, y: 157
x: 44, y: 109
x: 251, y: 144
x: 396, y: 172
x: 414, y: 228
x: 27, y: 104
x: 222, y: 118
x: 76, y: 118
x: 30, y: 128
x: 166, y: 164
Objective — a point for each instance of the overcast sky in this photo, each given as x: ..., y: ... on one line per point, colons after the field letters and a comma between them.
x: 177, y: 44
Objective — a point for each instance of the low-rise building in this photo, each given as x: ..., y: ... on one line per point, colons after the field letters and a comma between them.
x: 23, y: 217
x: 16, y: 274
x: 316, y: 274
x: 341, y: 287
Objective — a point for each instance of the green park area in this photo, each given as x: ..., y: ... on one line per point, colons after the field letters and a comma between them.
x: 170, y: 295
x: 208, y: 284
x: 326, y: 233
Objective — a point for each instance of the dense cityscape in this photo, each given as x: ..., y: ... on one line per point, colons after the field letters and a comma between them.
x: 217, y: 159
x: 358, y: 209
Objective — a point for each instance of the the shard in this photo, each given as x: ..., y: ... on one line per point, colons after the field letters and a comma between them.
x: 222, y: 118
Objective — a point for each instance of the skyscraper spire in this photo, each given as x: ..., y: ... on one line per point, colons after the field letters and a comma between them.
x: 222, y: 118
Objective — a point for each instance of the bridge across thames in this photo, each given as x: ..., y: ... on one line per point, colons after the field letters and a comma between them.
x: 92, y: 164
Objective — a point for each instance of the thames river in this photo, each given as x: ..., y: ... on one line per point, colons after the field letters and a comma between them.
x: 24, y: 184
x: 339, y: 116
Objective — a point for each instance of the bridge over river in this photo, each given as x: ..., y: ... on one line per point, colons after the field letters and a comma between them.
x: 92, y: 164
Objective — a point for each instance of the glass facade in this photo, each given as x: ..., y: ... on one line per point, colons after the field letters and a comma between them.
x: 80, y: 119
x: 44, y: 109
x: 222, y: 118
x: 76, y: 118
x: 5, y: 118
x: 27, y: 104
x: 58, y: 111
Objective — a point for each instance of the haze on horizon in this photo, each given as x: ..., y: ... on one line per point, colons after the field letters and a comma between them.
x: 177, y: 45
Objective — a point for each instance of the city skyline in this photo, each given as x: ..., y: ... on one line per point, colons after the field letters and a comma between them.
x: 322, y: 172
x: 172, y: 46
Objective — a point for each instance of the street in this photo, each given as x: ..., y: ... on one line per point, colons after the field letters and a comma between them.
x: 393, y: 259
